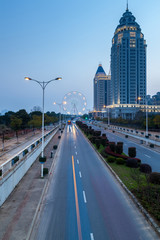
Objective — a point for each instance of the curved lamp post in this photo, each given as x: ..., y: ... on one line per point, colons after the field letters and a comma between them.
x: 43, y: 86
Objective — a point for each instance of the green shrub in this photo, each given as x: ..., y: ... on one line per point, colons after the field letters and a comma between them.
x: 132, y: 152
x: 25, y: 152
x: 15, y: 159
x: 54, y: 147
x: 111, y: 159
x: 145, y: 168
x: 45, y: 171
x: 42, y: 159
x: 132, y: 163
x: 154, y: 177
x: 120, y: 161
x: 32, y: 146
x: 119, y: 149
x: 112, y: 146
x: 104, y: 154
x: 98, y: 143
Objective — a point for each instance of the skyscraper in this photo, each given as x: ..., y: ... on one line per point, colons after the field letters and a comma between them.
x: 128, y: 62
x: 101, y: 83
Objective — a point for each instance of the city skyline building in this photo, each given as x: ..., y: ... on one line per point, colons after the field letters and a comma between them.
x: 101, y: 84
x: 128, y: 62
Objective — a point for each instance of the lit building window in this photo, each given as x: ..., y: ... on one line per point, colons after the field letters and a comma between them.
x: 132, y: 34
x: 132, y: 43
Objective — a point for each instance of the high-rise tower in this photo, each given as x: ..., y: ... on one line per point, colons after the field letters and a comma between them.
x: 101, y: 84
x: 128, y: 62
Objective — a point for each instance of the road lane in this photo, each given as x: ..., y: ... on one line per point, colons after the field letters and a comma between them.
x: 105, y: 210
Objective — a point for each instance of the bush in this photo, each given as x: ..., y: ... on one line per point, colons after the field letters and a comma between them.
x: 112, y: 146
x: 145, y: 168
x: 104, y: 154
x: 25, y: 152
x: 103, y: 141
x: 59, y: 137
x: 132, y: 163
x: 32, y: 146
x: 97, y: 133
x: 45, y: 171
x: 111, y: 159
x: 54, y: 147
x: 152, y: 145
x: 42, y: 159
x: 154, y: 178
x: 15, y: 159
x: 132, y: 152
x: 98, y: 143
x: 119, y: 149
x: 113, y: 131
x: 103, y: 135
x: 120, y: 161
x: 126, y: 136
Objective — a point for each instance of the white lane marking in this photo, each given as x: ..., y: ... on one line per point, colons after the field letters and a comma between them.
x: 147, y: 156
x: 84, y: 196
x: 76, y: 153
x: 80, y: 174
x: 77, y: 161
x: 91, y: 235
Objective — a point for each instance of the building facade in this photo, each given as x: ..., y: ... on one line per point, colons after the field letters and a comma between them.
x: 128, y: 62
x: 101, y: 83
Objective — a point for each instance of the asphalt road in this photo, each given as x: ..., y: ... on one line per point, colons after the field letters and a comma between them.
x: 146, y: 155
x: 84, y: 201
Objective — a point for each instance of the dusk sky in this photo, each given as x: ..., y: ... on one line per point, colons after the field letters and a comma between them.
x: 45, y: 39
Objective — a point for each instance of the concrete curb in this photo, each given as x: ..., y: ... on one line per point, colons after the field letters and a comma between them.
x: 134, y: 199
x: 45, y: 188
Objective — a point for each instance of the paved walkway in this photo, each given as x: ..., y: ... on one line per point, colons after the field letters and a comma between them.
x: 17, y: 213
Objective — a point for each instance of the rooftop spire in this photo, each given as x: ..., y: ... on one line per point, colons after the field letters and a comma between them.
x: 127, y: 6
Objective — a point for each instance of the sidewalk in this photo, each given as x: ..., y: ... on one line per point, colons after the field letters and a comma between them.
x: 17, y: 212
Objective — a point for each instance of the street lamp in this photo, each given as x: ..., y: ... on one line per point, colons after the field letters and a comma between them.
x: 43, y: 86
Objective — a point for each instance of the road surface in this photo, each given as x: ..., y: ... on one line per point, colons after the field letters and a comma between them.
x: 84, y: 201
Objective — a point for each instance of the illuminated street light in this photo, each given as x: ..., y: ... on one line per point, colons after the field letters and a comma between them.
x: 43, y: 86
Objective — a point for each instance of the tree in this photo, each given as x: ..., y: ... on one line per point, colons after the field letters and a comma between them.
x: 16, y: 124
x: 24, y: 116
x: 36, y: 121
x: 156, y: 120
x: 3, y: 129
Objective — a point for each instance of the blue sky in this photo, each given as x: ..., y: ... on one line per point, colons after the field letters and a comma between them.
x: 44, y: 39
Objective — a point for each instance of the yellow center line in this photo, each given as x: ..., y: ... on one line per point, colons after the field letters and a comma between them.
x: 76, y: 200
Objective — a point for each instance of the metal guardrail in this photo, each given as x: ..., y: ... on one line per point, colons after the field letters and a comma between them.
x: 21, y: 155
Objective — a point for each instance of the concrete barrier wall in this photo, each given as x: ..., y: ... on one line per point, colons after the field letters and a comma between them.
x: 14, y: 175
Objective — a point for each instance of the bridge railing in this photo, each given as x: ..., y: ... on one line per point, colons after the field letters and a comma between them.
x: 21, y: 155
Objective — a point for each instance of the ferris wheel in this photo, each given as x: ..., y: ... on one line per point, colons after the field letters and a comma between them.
x: 74, y: 103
